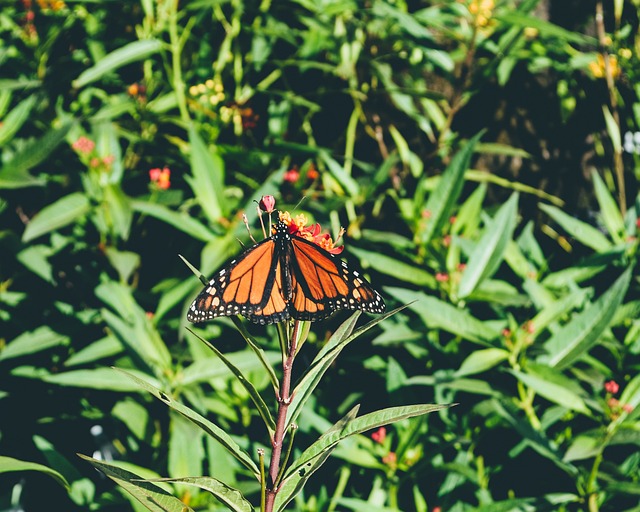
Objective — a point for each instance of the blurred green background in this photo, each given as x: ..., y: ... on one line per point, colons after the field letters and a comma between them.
x: 482, y: 156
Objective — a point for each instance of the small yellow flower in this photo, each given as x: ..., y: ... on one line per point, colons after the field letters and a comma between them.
x: 597, y: 67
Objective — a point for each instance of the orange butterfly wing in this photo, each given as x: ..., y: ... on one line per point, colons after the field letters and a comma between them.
x: 322, y: 284
x: 281, y: 277
x: 244, y: 286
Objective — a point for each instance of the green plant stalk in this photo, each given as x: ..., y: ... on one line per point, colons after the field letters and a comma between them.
x: 284, y: 400
x: 392, y: 491
x: 176, y: 67
x: 613, y: 101
x: 283, y: 465
x: 343, y: 479
x: 526, y: 404
x: 263, y: 480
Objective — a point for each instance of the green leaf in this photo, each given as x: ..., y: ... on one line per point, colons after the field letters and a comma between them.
x: 120, y: 210
x: 64, y: 211
x: 437, y: 314
x: 311, y: 378
x: 577, y: 337
x: 9, y: 464
x: 553, y: 386
x: 546, y: 29
x: 263, y: 410
x: 181, y: 221
x: 230, y: 497
x: 481, y: 360
x: 534, y: 438
x: 338, y: 172
x: 132, y: 52
x: 208, y: 427
x: 210, y: 368
x: 489, y: 251
x: 257, y: 350
x: 151, y: 496
x: 304, y: 465
x: 325, y: 358
x: 14, y: 120
x: 584, y: 447
x: 32, y: 342
x: 207, y: 181
x: 186, y: 448
x: 395, y: 268
x: 581, y: 231
x: 134, y: 329
x: 557, y: 309
x: 36, y: 259
x: 612, y: 129
x: 609, y: 210
x: 95, y: 378
x: 15, y: 173
x: 444, y: 198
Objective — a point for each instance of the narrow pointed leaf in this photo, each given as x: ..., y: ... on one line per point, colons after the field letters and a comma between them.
x: 340, y: 339
x: 15, y: 173
x: 579, y: 335
x: 210, y: 428
x: 444, y: 198
x: 151, y: 496
x: 553, y: 391
x: 181, y: 221
x: 489, y: 251
x: 481, y: 360
x: 581, y: 231
x: 14, y: 120
x: 132, y: 52
x: 64, y: 211
x: 437, y: 314
x: 328, y: 441
x: 9, y: 464
x: 263, y: 410
x: 253, y: 345
x: 293, y: 485
x: 611, y: 215
x: 31, y: 342
x: 207, y: 181
x: 230, y: 497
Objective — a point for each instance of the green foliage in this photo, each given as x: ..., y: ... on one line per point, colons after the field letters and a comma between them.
x: 484, y: 162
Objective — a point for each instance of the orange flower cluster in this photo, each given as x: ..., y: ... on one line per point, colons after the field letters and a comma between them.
x: 298, y: 226
x: 161, y: 177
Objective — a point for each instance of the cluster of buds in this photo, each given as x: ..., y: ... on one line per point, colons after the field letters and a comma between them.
x: 86, y: 149
x: 161, y: 178
x: 211, y: 92
x: 298, y: 226
x: 616, y: 408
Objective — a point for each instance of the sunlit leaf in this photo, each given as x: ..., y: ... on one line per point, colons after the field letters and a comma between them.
x: 151, y: 496
x: 131, y: 52
x: 9, y: 464
x: 489, y: 251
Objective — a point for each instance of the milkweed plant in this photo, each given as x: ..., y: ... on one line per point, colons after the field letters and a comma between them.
x: 281, y: 468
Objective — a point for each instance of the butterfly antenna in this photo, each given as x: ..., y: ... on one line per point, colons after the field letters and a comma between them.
x: 299, y: 202
x: 246, y: 223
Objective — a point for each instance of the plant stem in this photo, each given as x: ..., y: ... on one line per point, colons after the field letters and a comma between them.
x: 176, y: 65
x: 284, y: 399
x: 613, y: 101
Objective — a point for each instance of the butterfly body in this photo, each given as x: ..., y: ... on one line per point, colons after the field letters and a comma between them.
x: 284, y: 276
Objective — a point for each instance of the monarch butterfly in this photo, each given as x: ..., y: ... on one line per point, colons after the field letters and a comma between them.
x: 284, y: 276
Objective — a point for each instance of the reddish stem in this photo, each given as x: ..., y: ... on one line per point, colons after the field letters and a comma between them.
x: 283, y: 406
